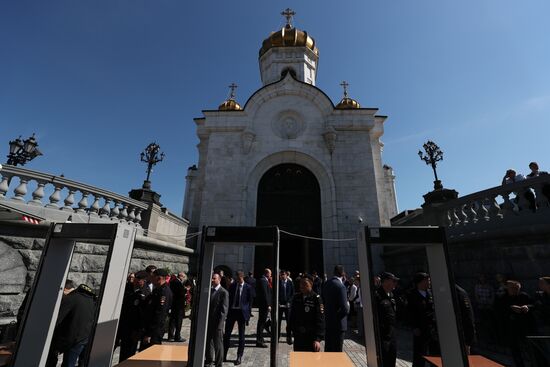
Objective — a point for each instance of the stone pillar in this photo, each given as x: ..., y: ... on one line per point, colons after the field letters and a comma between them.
x: 188, y: 199
x: 432, y: 203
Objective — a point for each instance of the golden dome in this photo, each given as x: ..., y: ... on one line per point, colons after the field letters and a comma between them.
x: 347, y: 103
x: 288, y: 37
x: 230, y: 105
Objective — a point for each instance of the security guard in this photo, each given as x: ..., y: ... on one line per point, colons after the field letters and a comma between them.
x: 158, y: 305
x: 133, y: 310
x: 466, y: 317
x: 421, y: 312
x: 307, y: 319
x: 386, y: 310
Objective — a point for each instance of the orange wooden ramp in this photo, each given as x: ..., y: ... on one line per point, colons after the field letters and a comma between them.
x: 159, y: 356
x: 475, y: 361
x: 321, y: 359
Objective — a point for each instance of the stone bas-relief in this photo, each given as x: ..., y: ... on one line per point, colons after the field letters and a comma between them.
x: 288, y: 125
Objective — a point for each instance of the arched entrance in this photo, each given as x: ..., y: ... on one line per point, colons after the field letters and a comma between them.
x: 289, y: 197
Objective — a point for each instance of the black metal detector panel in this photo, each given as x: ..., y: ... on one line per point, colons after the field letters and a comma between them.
x: 227, y: 236
x: 433, y: 239
x: 42, y: 308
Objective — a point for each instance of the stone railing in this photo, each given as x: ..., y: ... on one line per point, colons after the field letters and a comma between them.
x: 520, y: 199
x: 105, y: 205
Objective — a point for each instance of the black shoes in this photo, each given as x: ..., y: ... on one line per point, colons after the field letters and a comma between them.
x: 238, y: 361
x: 289, y: 341
x: 261, y: 345
x: 180, y: 340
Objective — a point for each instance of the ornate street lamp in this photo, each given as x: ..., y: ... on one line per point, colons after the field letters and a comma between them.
x: 150, y: 155
x: 433, y: 155
x: 23, y: 151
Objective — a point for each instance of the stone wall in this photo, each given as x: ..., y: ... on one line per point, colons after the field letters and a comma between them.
x: 20, y: 256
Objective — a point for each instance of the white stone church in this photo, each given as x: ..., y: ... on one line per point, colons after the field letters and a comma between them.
x: 290, y: 157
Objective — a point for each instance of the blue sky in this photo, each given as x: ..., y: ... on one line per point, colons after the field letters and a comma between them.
x: 99, y: 80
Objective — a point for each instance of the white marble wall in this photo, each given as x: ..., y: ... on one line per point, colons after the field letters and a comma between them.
x: 300, y: 59
x: 284, y: 123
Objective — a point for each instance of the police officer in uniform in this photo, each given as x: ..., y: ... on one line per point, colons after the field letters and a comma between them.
x: 386, y: 310
x: 421, y: 311
x: 307, y: 319
x: 158, y: 305
x: 133, y: 308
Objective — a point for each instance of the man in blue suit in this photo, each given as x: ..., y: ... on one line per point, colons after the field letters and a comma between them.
x: 286, y: 292
x: 240, y: 303
x: 336, y: 310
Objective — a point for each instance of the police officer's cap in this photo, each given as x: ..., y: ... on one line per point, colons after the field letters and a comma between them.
x: 420, y: 276
x: 160, y: 273
x: 387, y: 275
x: 308, y: 277
x: 141, y: 275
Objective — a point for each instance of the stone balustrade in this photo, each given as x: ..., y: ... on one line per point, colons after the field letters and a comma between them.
x: 53, y: 195
x: 499, y: 204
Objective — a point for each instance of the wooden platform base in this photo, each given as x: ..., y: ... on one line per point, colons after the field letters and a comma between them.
x: 475, y: 361
x: 321, y: 359
x: 159, y: 356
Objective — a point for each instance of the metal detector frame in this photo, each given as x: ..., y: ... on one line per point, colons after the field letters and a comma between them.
x: 35, y: 334
x: 224, y: 236
x: 434, y: 240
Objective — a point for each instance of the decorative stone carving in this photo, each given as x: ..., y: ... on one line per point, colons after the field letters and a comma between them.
x: 330, y: 139
x: 288, y: 125
x: 12, y: 270
x: 247, y: 138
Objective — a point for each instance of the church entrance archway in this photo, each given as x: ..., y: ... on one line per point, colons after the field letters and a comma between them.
x: 289, y: 196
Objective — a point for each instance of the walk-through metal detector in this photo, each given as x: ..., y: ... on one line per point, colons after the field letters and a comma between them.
x: 433, y: 239
x: 227, y: 236
x: 42, y: 307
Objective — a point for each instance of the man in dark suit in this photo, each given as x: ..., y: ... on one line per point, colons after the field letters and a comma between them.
x: 178, y: 307
x: 251, y: 281
x: 336, y: 311
x: 240, y: 298
x: 421, y: 312
x: 263, y: 299
x: 286, y: 292
x: 219, y: 303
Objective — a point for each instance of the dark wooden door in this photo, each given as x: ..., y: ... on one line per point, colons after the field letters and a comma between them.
x: 289, y: 197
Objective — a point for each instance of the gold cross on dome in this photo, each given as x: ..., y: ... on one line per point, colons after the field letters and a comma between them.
x: 233, y: 86
x: 345, y: 85
x: 288, y: 14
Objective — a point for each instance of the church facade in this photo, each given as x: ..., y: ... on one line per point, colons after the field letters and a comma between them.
x: 291, y: 157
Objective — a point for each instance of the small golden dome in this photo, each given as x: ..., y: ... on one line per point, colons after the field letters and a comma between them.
x: 230, y: 105
x: 288, y: 37
x: 347, y: 103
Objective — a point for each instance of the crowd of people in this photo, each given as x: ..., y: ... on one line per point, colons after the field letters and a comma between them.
x: 509, y: 314
x: 309, y: 317
x: 155, y: 302
x: 528, y: 194
x: 314, y: 308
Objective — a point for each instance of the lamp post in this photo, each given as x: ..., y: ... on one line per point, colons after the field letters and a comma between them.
x: 23, y: 151
x: 433, y: 155
x: 150, y: 155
